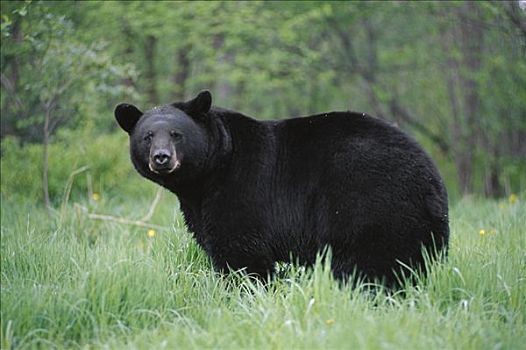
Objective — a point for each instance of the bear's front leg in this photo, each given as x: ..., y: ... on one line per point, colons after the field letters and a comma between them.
x: 254, y: 264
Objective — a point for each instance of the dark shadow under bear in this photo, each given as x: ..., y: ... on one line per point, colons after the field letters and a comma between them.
x: 257, y: 192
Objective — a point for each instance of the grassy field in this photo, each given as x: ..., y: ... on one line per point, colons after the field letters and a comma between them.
x: 73, y: 282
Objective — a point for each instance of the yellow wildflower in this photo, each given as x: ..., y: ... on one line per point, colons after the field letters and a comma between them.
x: 329, y: 322
x: 513, y: 198
x: 482, y: 232
x: 151, y: 233
x: 95, y: 196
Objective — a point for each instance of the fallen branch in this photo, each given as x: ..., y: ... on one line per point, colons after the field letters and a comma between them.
x: 117, y: 219
x: 141, y: 222
x: 156, y: 200
x: 67, y: 190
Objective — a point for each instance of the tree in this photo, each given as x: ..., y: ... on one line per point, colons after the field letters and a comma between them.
x: 59, y: 76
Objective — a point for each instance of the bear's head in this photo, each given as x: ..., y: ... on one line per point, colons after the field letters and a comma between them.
x: 170, y: 141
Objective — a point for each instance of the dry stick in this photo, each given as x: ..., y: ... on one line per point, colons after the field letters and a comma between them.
x: 156, y: 200
x: 67, y: 190
x: 149, y: 214
x: 118, y: 219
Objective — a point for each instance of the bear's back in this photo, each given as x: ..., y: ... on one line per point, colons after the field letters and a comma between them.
x: 347, y: 144
x: 336, y: 129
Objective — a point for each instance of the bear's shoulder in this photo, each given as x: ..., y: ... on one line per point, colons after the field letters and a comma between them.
x: 335, y: 120
x: 345, y: 124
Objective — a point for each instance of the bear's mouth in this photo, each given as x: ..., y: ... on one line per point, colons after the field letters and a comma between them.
x: 164, y: 169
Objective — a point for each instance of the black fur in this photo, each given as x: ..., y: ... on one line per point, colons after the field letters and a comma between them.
x: 254, y: 193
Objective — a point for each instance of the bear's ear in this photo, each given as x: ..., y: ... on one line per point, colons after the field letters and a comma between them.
x: 200, y: 104
x: 127, y: 116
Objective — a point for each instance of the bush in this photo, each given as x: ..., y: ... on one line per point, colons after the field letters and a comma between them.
x: 109, y: 169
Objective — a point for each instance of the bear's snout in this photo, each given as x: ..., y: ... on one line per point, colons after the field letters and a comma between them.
x: 161, y: 157
x: 162, y: 161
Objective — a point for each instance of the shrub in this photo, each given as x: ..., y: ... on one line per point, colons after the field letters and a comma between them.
x: 109, y: 169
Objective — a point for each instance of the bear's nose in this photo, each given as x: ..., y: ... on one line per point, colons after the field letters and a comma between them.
x: 161, y: 156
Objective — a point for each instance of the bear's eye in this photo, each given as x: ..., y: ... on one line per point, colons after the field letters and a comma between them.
x: 175, y: 134
x: 148, y: 137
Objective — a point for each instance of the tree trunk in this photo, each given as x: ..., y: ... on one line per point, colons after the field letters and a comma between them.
x: 15, y: 64
x: 182, y: 73
x: 10, y: 82
x: 492, y: 185
x: 151, y: 74
x: 461, y: 158
x: 223, y: 87
x: 471, y: 46
x: 129, y: 40
x: 45, y: 158
x: 369, y: 73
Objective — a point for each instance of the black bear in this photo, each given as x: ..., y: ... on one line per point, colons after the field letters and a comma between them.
x: 254, y: 193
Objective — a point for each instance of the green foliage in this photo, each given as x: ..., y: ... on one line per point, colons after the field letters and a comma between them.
x: 98, y: 284
x: 457, y: 68
x: 107, y: 171
x: 53, y: 72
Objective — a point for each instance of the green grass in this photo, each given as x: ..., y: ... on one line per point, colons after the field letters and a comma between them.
x: 81, y: 283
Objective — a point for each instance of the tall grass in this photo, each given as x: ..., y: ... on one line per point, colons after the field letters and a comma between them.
x: 98, y: 284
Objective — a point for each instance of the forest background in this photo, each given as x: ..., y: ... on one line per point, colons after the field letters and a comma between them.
x: 451, y: 74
